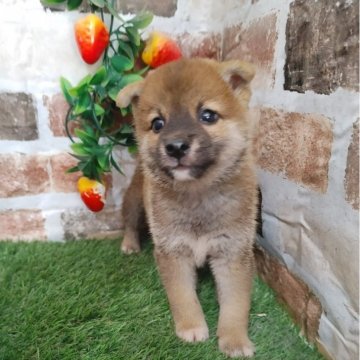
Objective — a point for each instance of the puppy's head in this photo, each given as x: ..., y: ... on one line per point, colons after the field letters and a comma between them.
x: 190, y: 119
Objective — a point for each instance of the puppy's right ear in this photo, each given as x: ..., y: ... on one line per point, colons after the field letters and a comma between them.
x: 129, y: 94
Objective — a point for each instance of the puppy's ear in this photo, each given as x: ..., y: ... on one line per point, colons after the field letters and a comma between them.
x: 129, y: 94
x: 238, y: 74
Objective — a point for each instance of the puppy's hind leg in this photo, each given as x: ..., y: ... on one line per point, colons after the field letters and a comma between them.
x: 133, y: 214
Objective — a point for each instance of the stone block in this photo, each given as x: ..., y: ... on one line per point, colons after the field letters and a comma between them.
x: 84, y: 224
x: 18, y: 117
x: 60, y: 179
x: 322, y: 46
x: 302, y: 305
x: 165, y: 8
x: 208, y: 46
x: 254, y: 43
x: 22, y: 174
x: 295, y: 145
x: 57, y: 108
x: 352, y: 169
x: 25, y: 225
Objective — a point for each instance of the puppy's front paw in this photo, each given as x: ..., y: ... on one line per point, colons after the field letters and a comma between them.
x: 193, y: 334
x: 130, y: 245
x: 235, y: 347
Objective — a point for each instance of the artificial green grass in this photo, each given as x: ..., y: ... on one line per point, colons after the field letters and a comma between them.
x: 85, y: 300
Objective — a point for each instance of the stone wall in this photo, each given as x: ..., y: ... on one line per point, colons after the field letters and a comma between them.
x: 305, y: 111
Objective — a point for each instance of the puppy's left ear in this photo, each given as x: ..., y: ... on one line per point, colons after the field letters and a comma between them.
x: 238, y: 74
x: 129, y: 94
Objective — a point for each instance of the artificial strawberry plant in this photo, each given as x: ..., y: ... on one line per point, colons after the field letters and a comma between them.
x: 92, y: 101
x: 92, y: 111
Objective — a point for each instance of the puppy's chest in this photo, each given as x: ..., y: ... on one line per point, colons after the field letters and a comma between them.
x: 193, y: 214
x: 194, y: 226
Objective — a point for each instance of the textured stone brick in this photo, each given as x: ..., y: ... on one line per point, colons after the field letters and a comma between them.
x: 205, y: 47
x: 22, y: 225
x: 312, y: 318
x: 18, y: 117
x: 62, y: 181
x: 84, y: 224
x: 256, y: 44
x: 322, y: 46
x: 58, y: 108
x: 303, y: 306
x: 22, y: 174
x: 164, y: 8
x: 296, y: 145
x: 352, y: 169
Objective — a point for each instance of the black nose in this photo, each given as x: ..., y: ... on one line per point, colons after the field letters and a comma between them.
x: 177, y: 148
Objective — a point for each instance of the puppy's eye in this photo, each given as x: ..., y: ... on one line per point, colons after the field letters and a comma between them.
x: 208, y: 116
x: 157, y: 124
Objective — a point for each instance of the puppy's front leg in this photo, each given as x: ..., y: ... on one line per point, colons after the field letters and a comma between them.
x: 234, y: 280
x: 178, y: 275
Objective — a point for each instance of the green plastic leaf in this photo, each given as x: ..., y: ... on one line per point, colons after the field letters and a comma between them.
x: 82, y: 158
x: 125, y: 48
x: 98, y: 3
x: 73, y: 4
x: 114, y: 91
x: 113, y: 77
x: 143, y: 70
x: 125, y: 111
x: 80, y: 149
x: 86, y: 137
x: 99, y: 110
x: 82, y: 87
x: 129, y: 79
x: 65, y: 88
x: 126, y: 129
x: 121, y: 63
x: 72, y: 170
x: 100, y: 90
x: 142, y: 20
x: 85, y: 80
x: 99, y: 76
x: 132, y: 149
x: 125, y: 80
x: 104, y: 162
x: 83, y: 104
x: 111, y: 9
x: 133, y: 35
x: 116, y: 165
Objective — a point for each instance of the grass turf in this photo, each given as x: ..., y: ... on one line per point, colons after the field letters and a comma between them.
x: 84, y: 300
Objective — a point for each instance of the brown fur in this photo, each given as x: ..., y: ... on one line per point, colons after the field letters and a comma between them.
x: 205, y: 210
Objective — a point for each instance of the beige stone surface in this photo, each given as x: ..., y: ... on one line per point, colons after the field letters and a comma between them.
x: 254, y: 43
x: 304, y: 307
x: 25, y: 225
x: 208, y: 46
x: 18, y: 117
x: 352, y: 169
x: 57, y: 108
x: 295, y: 145
x: 84, y: 224
x: 60, y: 180
x: 22, y: 174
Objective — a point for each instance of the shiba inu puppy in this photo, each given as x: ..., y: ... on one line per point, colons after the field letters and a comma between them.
x: 196, y: 184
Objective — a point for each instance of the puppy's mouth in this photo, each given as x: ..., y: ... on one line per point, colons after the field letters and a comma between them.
x: 185, y: 172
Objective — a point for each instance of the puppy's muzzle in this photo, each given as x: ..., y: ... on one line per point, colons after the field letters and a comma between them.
x: 177, y: 148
